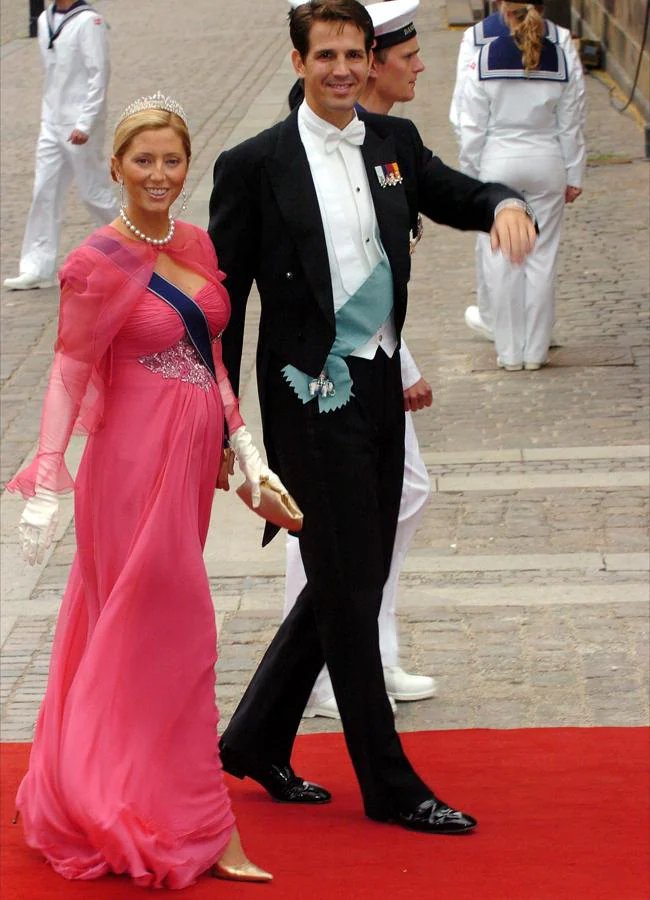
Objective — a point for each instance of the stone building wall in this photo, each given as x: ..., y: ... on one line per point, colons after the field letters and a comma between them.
x: 618, y: 25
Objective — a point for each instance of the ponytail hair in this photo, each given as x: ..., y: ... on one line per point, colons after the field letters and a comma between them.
x: 527, y: 28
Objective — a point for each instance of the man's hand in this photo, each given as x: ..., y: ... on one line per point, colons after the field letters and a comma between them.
x: 571, y: 193
x: 418, y: 396
x: 77, y: 137
x: 513, y: 234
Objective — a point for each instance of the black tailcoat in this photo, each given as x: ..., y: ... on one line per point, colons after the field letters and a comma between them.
x: 345, y: 467
x: 266, y: 226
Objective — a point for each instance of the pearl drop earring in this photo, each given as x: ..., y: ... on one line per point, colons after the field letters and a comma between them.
x: 183, y: 196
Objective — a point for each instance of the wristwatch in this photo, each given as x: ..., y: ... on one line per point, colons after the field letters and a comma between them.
x: 517, y: 204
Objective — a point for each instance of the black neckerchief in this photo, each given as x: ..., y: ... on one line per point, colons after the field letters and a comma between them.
x: 76, y: 8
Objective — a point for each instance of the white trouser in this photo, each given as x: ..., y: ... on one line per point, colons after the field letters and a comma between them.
x: 522, y: 298
x: 57, y: 163
x: 482, y: 292
x: 415, y: 492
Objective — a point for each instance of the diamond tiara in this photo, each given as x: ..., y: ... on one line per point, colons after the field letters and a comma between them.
x: 154, y: 101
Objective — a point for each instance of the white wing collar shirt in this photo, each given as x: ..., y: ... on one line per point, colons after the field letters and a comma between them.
x: 354, y: 247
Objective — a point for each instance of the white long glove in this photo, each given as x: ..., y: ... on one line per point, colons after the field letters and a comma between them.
x: 252, y: 466
x: 38, y: 524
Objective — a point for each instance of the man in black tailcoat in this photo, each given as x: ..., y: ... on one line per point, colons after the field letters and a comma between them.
x: 318, y: 211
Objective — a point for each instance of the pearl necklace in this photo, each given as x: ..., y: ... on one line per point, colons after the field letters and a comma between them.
x: 156, y: 242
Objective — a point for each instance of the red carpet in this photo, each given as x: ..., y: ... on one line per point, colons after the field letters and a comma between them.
x: 563, y: 815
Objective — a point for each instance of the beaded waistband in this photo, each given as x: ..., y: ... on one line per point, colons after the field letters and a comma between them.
x: 180, y: 361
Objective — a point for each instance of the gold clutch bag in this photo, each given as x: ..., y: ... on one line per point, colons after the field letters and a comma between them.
x: 279, y: 509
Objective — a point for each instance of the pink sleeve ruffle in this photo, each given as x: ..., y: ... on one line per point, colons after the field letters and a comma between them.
x: 101, y: 281
x: 96, y: 297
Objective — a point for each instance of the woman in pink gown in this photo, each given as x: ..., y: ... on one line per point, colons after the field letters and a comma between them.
x: 124, y: 774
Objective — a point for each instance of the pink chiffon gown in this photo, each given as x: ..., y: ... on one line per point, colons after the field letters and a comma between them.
x: 124, y: 774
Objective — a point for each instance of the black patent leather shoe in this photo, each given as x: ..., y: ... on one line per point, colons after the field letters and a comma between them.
x: 281, y: 782
x: 435, y: 817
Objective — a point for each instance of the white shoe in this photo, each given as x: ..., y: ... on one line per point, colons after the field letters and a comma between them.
x: 533, y: 367
x: 509, y: 367
x: 474, y: 321
x: 27, y: 282
x: 329, y: 710
x: 402, y: 686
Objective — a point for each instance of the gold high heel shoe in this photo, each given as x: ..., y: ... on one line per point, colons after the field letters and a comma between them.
x: 247, y: 871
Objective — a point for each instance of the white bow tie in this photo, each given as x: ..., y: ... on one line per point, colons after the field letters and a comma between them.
x: 354, y: 134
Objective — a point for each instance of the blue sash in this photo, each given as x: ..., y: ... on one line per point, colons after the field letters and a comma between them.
x: 356, y: 322
x: 196, y: 325
x: 191, y: 314
x: 501, y: 59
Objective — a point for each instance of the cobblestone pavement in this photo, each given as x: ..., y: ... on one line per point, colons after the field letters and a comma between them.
x: 525, y: 593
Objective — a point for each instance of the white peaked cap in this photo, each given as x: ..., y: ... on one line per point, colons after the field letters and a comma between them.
x: 393, y: 17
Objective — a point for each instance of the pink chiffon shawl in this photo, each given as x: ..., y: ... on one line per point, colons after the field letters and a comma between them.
x: 98, y: 292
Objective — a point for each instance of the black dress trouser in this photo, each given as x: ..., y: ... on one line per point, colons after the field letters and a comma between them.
x: 345, y: 470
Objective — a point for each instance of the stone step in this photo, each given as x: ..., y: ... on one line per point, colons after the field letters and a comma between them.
x: 422, y: 560
x: 480, y: 9
x: 522, y: 481
x: 489, y: 595
x: 535, y: 454
x: 460, y: 12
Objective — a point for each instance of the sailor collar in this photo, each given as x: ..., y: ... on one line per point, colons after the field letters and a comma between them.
x: 76, y: 8
x: 501, y: 58
x: 494, y: 27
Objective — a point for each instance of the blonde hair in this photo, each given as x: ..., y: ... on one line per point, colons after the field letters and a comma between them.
x: 527, y: 29
x: 146, y: 120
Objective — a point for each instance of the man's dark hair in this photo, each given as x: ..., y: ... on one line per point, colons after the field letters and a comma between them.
x: 303, y: 17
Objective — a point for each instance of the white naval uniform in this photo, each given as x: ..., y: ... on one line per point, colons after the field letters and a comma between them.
x: 526, y: 131
x: 415, y: 492
x: 76, y: 73
x: 474, y: 38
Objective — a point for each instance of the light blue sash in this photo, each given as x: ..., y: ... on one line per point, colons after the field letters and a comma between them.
x: 356, y: 322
